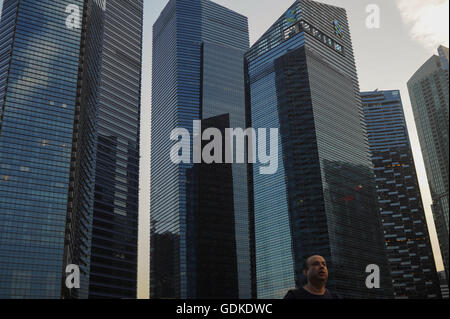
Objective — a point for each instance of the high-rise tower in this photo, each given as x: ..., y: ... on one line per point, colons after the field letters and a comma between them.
x: 198, y: 74
x: 410, y: 255
x: 66, y: 83
x: 428, y: 90
x: 302, y: 79
x: 115, y: 223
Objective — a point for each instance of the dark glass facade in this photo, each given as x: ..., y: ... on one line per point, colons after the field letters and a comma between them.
x: 115, y: 223
x: 198, y: 74
x: 406, y: 234
x: 84, y: 144
x: 301, y: 78
x: 55, y: 75
x: 428, y: 90
x: 212, y: 258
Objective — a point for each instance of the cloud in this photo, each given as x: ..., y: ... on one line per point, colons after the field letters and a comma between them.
x: 428, y: 20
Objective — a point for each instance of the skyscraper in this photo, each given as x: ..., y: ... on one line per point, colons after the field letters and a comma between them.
x: 40, y: 163
x: 198, y: 74
x: 428, y: 90
x: 115, y: 223
x: 56, y: 87
x: 410, y: 255
x: 302, y: 79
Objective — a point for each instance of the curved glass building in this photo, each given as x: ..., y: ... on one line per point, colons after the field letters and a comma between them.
x: 428, y: 90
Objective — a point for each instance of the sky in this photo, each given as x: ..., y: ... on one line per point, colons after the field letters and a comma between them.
x: 409, y: 33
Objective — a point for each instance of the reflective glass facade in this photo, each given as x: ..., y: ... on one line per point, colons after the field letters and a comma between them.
x: 84, y: 144
x: 69, y: 114
x: 198, y: 73
x: 302, y: 79
x: 405, y: 228
x: 39, y: 66
x: 428, y: 90
x: 115, y: 223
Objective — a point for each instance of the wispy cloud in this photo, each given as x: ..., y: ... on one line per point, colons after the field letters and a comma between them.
x: 428, y: 20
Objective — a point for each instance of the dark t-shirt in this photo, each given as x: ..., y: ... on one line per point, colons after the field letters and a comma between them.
x: 303, y: 294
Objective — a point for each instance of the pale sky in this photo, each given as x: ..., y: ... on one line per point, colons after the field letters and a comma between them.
x: 410, y: 32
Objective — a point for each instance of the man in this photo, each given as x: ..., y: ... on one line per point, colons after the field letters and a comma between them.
x: 316, y: 272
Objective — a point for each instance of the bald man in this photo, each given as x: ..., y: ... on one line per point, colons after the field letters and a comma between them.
x: 316, y: 272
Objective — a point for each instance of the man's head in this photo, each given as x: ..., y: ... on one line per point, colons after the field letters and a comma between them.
x: 315, y: 269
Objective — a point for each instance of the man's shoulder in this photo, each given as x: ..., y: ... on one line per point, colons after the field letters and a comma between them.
x: 296, y: 294
x: 301, y: 293
x: 334, y: 295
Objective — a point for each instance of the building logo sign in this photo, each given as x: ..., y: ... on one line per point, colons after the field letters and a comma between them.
x: 338, y: 28
x: 290, y: 17
x: 303, y: 26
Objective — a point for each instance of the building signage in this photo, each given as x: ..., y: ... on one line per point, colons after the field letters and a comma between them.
x: 338, y: 28
x: 306, y: 27
x: 290, y: 17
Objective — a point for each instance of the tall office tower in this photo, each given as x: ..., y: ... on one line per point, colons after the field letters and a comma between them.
x: 302, y: 79
x: 198, y: 74
x: 410, y: 254
x: 46, y: 145
x: 52, y: 113
x: 115, y: 223
x: 428, y: 89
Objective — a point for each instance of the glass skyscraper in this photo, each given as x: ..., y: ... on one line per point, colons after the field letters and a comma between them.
x: 302, y: 79
x: 428, y: 90
x: 198, y: 74
x: 56, y: 87
x: 410, y: 256
x: 115, y: 223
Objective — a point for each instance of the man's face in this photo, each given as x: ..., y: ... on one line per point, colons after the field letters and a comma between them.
x: 317, y: 269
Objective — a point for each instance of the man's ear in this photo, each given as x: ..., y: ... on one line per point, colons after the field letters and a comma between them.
x: 305, y: 272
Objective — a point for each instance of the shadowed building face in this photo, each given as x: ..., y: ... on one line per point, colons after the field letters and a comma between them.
x: 69, y: 116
